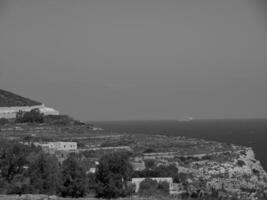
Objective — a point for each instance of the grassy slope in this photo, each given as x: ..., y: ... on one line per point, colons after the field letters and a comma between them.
x: 8, y: 99
x: 44, y: 197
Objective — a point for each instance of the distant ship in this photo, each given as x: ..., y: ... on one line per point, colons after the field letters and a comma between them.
x: 186, y: 119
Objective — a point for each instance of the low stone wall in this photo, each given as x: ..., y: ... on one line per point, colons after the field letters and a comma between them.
x: 162, y: 155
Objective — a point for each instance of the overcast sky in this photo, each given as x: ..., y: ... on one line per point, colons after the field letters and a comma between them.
x: 137, y: 59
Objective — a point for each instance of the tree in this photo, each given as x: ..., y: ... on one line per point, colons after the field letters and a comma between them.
x: 164, y: 187
x: 59, y: 120
x: 150, y: 164
x: 44, y: 174
x: 33, y: 116
x: 158, y: 171
x: 19, y: 185
x: 166, y: 171
x: 148, y: 187
x: 113, y: 172
x: 3, y: 121
x: 14, y: 163
x: 13, y: 159
x: 73, y: 178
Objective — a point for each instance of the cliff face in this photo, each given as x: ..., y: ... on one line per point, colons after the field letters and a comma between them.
x: 240, y: 175
x: 254, y: 165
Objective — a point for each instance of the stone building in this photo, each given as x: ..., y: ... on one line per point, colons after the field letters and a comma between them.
x: 60, y: 149
x: 51, y: 147
x: 137, y: 182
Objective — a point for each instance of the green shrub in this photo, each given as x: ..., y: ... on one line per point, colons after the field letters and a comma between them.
x: 164, y: 187
x: 149, y: 150
x: 14, y: 159
x: 19, y: 185
x: 44, y: 174
x: 112, y: 175
x: 3, y: 121
x: 158, y: 171
x: 150, y: 164
x: 73, y: 179
x: 33, y: 116
x: 148, y: 187
x: 62, y: 120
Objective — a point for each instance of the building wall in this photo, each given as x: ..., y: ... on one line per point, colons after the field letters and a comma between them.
x: 61, y: 146
x: 137, y: 182
x: 60, y: 149
x: 58, y: 146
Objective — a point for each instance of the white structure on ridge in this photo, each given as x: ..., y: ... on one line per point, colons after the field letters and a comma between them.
x: 10, y: 112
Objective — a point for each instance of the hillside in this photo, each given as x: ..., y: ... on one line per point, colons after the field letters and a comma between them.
x: 8, y: 99
x: 203, y: 167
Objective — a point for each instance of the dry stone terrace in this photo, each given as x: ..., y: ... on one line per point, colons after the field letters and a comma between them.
x: 93, y: 144
x: 150, y: 146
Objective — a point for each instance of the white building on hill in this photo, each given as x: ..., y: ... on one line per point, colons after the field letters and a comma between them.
x: 60, y: 149
x: 10, y: 112
x: 58, y: 146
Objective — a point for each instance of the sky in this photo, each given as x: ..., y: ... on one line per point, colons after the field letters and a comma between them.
x: 138, y: 59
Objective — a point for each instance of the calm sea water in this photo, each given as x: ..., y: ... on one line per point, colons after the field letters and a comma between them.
x: 245, y: 132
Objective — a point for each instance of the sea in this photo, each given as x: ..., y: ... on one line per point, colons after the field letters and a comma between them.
x: 244, y: 132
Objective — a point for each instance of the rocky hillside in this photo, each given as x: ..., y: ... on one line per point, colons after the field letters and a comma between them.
x: 8, y: 99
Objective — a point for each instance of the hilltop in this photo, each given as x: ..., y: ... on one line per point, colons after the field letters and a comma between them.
x: 9, y: 99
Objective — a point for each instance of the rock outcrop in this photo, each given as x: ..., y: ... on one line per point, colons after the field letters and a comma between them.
x: 240, y: 176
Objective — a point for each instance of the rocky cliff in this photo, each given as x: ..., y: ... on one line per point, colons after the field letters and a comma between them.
x: 238, y: 175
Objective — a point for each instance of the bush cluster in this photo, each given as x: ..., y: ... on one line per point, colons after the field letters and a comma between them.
x: 33, y: 116
x: 149, y: 187
x: 62, y: 120
x: 3, y: 121
x: 152, y: 170
x: 113, y: 173
x: 28, y: 170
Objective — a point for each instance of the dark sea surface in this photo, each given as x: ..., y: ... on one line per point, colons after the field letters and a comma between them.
x: 245, y: 132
